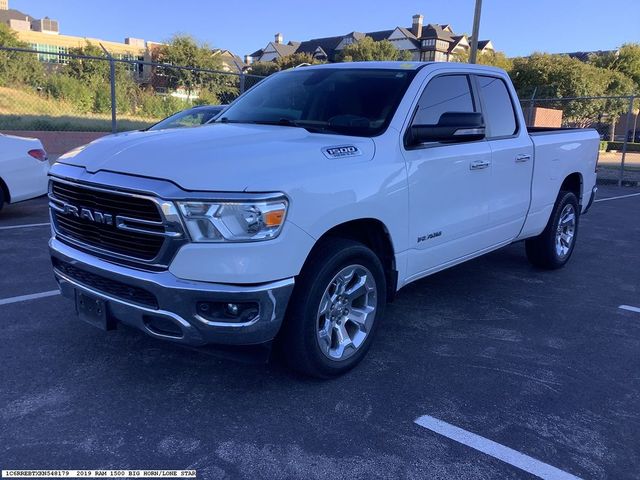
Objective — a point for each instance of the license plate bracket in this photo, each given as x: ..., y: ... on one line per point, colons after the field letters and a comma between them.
x: 94, y: 311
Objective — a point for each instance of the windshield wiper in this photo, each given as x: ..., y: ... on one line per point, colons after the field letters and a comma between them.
x: 226, y: 120
x: 309, y: 125
x: 313, y: 126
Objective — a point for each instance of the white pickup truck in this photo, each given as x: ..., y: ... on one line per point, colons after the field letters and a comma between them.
x: 319, y: 194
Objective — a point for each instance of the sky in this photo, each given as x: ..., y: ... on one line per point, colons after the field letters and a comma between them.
x: 517, y: 27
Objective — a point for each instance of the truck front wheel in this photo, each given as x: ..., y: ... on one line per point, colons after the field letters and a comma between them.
x: 554, y: 246
x: 335, y: 309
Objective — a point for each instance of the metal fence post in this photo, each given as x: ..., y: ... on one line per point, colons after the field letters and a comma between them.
x: 242, y: 82
x: 627, y: 124
x: 112, y: 70
x: 112, y: 80
x: 635, y: 124
x: 532, y: 107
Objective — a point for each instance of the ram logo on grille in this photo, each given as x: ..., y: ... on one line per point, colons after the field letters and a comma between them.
x: 87, y: 214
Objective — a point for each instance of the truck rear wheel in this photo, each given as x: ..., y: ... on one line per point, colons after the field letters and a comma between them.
x: 335, y: 309
x: 554, y: 246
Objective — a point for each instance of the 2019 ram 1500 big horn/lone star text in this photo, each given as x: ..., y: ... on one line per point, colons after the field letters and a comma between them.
x: 316, y: 196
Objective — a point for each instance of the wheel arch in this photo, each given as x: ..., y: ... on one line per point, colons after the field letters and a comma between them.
x: 374, y: 234
x: 5, y: 190
x: 573, y: 183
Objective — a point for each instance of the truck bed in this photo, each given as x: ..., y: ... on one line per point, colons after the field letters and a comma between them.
x: 559, y: 152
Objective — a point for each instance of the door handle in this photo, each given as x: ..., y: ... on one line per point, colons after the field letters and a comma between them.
x: 523, y: 158
x: 479, y: 165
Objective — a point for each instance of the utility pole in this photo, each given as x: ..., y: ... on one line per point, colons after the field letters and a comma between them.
x: 476, y: 31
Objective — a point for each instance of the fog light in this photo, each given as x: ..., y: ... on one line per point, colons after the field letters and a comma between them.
x: 233, y: 309
x: 228, y: 312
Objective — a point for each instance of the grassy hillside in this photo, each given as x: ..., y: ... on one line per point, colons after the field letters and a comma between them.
x: 27, y: 110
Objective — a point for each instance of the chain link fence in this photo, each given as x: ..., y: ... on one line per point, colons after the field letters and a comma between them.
x: 616, y: 118
x: 71, y: 92
x: 46, y: 91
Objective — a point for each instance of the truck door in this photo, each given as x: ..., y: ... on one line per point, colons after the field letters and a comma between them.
x: 511, y: 158
x: 449, y: 184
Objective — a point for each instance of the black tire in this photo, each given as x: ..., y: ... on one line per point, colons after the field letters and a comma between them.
x: 541, y: 250
x: 2, y: 199
x: 298, y: 341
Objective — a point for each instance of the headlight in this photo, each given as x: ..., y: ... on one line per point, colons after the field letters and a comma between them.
x: 233, y: 221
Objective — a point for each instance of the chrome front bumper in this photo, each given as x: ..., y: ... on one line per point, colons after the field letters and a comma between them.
x: 176, y: 300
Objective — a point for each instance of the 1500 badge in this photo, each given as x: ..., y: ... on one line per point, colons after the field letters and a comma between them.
x: 341, y: 151
x: 424, y: 238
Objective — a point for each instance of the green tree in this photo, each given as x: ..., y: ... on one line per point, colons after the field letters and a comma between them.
x: 185, y: 51
x: 87, y: 70
x: 17, y: 68
x: 264, y: 69
x: 626, y: 61
x: 367, y: 50
x: 92, y: 79
x: 492, y: 59
x: 617, y: 84
x: 283, y: 63
x: 557, y: 76
x: 295, y: 59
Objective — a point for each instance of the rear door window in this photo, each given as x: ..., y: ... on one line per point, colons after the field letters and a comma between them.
x: 497, y: 108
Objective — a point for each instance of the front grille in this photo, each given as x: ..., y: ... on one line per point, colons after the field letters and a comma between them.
x: 142, y: 246
x: 107, y: 286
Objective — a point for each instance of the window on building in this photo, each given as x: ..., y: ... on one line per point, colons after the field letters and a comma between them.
x: 140, y: 66
x: 497, y: 107
x: 440, y: 57
x: 50, y: 53
x: 448, y: 93
x: 136, y: 68
x: 428, y: 56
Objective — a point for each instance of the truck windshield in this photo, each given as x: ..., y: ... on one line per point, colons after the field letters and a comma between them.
x: 343, y: 101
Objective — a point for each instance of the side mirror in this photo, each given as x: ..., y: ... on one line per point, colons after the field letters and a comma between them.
x: 452, y: 127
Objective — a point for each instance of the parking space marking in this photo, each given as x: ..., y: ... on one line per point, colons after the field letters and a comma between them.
x: 630, y: 308
x: 13, y: 227
x: 24, y: 298
x: 616, y: 198
x: 496, y: 450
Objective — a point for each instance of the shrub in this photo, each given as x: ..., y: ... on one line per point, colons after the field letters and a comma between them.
x: 206, y: 97
x: 631, y: 147
x: 160, y: 106
x: 102, y: 99
x: 62, y: 87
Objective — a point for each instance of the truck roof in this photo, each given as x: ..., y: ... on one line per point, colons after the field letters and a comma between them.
x: 408, y: 65
x: 389, y: 65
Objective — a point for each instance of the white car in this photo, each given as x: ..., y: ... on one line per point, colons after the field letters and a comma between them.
x: 23, y: 169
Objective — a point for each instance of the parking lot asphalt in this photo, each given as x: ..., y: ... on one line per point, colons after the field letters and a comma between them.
x: 544, y: 363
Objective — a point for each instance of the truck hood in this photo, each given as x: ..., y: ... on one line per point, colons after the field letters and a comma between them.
x: 218, y: 157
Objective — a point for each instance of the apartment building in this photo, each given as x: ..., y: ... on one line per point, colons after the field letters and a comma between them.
x: 44, y: 35
x: 426, y: 42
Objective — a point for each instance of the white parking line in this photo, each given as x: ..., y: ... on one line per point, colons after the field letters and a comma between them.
x: 13, y: 227
x: 630, y: 308
x: 24, y: 298
x: 616, y: 198
x: 496, y: 450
